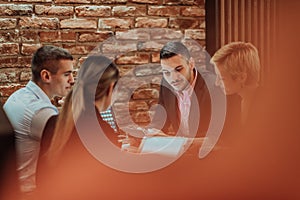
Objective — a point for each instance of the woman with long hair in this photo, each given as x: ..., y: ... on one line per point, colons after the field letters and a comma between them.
x: 91, y: 94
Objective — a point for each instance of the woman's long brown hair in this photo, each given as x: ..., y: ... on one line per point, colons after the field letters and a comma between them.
x: 92, y: 69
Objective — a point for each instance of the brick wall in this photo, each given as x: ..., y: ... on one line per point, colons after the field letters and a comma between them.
x: 140, y: 28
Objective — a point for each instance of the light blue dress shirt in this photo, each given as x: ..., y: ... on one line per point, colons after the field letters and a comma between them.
x: 28, y: 110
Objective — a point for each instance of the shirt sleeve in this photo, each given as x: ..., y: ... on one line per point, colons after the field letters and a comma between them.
x: 39, y: 121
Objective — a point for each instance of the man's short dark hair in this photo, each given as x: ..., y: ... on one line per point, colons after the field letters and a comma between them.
x: 174, y: 48
x: 47, y: 57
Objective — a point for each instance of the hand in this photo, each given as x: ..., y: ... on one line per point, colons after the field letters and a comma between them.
x: 61, y: 101
x: 153, y: 132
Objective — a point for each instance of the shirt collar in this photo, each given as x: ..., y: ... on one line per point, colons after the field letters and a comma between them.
x: 37, y: 91
x: 189, y: 89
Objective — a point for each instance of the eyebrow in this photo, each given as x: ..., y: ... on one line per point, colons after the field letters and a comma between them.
x: 172, y: 69
x: 69, y: 71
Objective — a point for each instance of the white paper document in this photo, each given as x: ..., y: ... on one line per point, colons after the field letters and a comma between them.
x: 169, y: 146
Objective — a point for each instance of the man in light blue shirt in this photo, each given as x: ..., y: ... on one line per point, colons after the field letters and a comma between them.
x: 29, y: 108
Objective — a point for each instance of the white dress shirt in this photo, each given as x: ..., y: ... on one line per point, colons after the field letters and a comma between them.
x: 28, y: 110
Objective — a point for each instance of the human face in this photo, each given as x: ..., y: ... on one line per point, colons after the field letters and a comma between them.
x: 178, y: 72
x: 62, y: 81
x: 225, y: 80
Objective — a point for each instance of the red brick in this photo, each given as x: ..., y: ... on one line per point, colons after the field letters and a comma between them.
x: 28, y: 36
x: 138, y: 105
x: 150, y: 45
x: 79, y: 49
x: 78, y: 23
x: 146, y: 1
x: 14, y: 61
x: 29, y: 49
x: 24, y: 61
x: 196, y: 34
x: 193, y: 11
x: 173, y: 2
x: 25, y: 75
x: 184, y: 2
x: 93, y: 11
x: 72, y: 1
x: 13, y: 10
x: 197, y: 2
x: 183, y: 23
x: 122, y: 11
x: 94, y: 36
x: 57, y: 36
x: 9, y: 36
x: 126, y: 70
x: 108, y: 1
x: 7, y: 90
x: 155, y: 57
x: 9, y: 49
x: 141, y: 117
x: 147, y: 93
x: 8, y: 61
x: 54, y: 10
x: 147, y: 70
x: 154, y: 79
x: 122, y: 118
x: 202, y: 25
x: 119, y: 47
x: 9, y: 75
x: 110, y: 23
x: 166, y: 34
x: 135, y: 58
x: 122, y: 95
x: 31, y: 1
x: 131, y: 82
x: 7, y: 23
x: 133, y: 34
x: 164, y: 11
x: 38, y: 23
x: 146, y: 22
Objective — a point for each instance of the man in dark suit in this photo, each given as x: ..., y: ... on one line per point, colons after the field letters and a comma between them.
x: 184, y: 94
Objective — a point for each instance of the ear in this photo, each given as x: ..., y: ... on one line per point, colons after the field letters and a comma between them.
x: 192, y: 63
x: 45, y: 76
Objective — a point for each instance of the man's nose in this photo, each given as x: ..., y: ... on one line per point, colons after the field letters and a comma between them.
x: 174, y: 75
x: 71, y: 79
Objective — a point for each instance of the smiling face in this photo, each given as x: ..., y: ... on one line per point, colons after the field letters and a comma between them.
x: 178, y: 72
x: 62, y: 81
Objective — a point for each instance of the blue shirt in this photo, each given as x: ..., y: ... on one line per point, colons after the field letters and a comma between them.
x: 28, y: 110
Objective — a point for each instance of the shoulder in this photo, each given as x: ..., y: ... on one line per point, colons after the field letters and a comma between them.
x: 26, y: 98
x: 23, y: 105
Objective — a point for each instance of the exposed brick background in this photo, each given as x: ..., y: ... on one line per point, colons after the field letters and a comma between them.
x: 82, y: 25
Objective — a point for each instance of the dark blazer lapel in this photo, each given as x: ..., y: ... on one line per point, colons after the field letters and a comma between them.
x: 202, y: 105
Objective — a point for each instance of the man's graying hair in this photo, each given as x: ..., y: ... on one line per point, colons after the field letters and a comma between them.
x: 47, y: 57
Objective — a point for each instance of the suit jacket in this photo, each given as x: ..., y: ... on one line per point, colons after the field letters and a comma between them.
x: 200, y: 109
